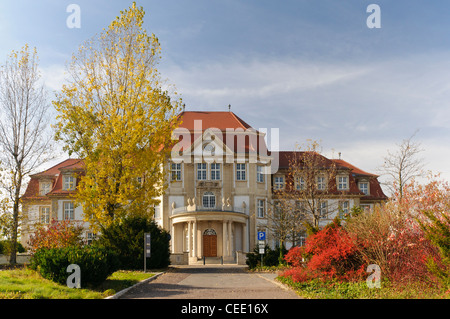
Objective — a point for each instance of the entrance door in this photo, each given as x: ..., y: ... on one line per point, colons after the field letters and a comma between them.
x: 210, y: 243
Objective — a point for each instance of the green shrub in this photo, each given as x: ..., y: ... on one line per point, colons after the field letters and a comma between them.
x: 126, y: 238
x: 95, y: 263
x: 5, y: 247
x: 270, y: 258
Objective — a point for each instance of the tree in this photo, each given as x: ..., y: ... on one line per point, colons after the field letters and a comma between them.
x: 127, y: 239
x: 402, y: 165
x: 309, y: 182
x: 116, y: 115
x: 24, y: 142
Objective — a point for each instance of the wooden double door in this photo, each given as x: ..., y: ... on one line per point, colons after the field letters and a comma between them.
x: 209, y: 243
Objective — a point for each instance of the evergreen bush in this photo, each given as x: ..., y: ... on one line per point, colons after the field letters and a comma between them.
x: 95, y: 263
x: 126, y: 238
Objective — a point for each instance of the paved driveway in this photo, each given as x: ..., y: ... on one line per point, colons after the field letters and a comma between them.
x: 210, y: 282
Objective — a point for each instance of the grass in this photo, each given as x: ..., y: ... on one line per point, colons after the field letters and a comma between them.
x: 316, y: 289
x: 24, y: 283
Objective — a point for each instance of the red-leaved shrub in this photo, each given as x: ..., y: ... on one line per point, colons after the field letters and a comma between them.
x: 330, y: 253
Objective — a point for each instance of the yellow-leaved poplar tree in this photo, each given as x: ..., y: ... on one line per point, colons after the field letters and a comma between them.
x: 116, y: 115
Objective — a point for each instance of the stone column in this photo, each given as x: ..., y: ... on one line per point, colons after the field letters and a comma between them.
x: 189, y: 244
x: 224, y: 238
x: 172, y: 239
x: 194, y: 252
x: 229, y: 246
x: 245, y: 237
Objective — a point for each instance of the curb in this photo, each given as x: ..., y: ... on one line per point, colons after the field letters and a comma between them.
x: 121, y: 292
x: 280, y: 284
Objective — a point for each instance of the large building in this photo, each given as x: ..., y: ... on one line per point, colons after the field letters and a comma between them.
x: 221, y: 180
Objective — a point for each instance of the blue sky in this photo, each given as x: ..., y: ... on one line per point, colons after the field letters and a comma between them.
x: 313, y: 69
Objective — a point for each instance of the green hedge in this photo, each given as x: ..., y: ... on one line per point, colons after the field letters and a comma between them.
x: 5, y: 247
x: 95, y: 263
x: 270, y: 258
x: 126, y: 238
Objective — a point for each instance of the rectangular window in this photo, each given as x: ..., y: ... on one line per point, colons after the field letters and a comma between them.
x: 364, y: 187
x: 343, y: 209
x: 215, y: 171
x: 260, y: 208
x: 69, y: 183
x: 323, y: 209
x: 279, y: 182
x: 240, y: 172
x: 259, y: 174
x: 201, y: 171
x: 342, y: 182
x: 90, y: 237
x: 300, y: 183
x: 321, y: 183
x: 176, y: 171
x: 44, y: 188
x: 302, y: 238
x: 44, y: 215
x: 68, y: 213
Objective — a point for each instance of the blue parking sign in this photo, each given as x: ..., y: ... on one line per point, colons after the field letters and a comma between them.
x: 261, y: 235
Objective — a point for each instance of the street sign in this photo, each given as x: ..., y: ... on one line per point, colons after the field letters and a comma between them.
x: 147, y: 245
x: 262, y: 246
x: 261, y: 235
x: 147, y: 249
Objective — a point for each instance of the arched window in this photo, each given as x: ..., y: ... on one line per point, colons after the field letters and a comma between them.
x: 209, y: 232
x: 209, y: 200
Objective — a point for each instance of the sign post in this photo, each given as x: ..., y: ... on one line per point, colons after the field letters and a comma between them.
x: 261, y: 244
x: 147, y: 249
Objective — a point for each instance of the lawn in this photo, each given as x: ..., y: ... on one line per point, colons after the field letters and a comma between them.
x: 24, y: 283
x: 317, y: 289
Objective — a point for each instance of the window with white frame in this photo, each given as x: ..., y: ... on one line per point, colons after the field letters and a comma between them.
x: 342, y: 182
x: 68, y: 211
x: 209, y: 200
x: 240, y: 172
x: 321, y: 186
x: 201, y: 171
x: 300, y: 183
x: 259, y: 174
x: 44, y: 215
x: 176, y: 171
x: 44, y: 188
x: 68, y: 182
x: 323, y: 209
x: 343, y: 209
x: 302, y: 238
x: 90, y: 237
x: 364, y: 187
x: 215, y: 171
x: 278, y: 182
x: 260, y: 208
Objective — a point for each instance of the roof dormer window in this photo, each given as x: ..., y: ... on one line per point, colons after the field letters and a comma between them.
x: 68, y: 182
x: 44, y: 188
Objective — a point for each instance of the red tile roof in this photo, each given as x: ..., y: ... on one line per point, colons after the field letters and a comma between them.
x: 53, y: 173
x: 354, y: 169
x: 376, y: 193
x: 230, y: 126
x: 220, y: 120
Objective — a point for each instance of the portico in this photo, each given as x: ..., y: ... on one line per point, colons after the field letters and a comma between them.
x: 209, y: 234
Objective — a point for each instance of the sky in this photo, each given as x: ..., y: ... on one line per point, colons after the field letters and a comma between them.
x: 312, y: 69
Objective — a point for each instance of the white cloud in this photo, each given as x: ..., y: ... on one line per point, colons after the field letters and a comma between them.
x: 54, y: 76
x: 359, y: 109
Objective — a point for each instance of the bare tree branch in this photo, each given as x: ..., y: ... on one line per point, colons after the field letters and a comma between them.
x: 24, y: 141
